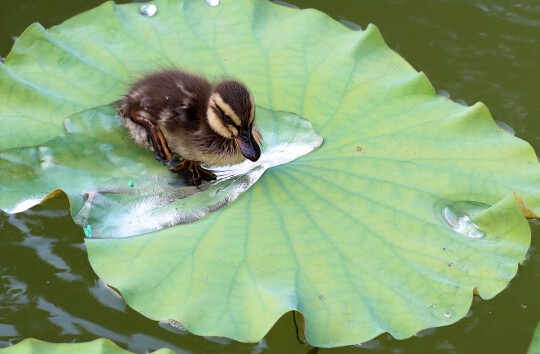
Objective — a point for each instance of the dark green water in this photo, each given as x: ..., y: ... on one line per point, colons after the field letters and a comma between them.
x: 485, y: 51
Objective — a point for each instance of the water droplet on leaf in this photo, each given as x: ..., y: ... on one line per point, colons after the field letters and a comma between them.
x: 458, y: 216
x: 148, y: 10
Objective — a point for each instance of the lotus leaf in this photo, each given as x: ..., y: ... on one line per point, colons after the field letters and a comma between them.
x: 98, y: 346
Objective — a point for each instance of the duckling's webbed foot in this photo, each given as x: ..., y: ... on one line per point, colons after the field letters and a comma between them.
x: 192, y: 172
x: 155, y: 137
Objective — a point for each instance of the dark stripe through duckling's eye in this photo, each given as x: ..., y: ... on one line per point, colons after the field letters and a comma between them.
x: 228, y: 119
x: 220, y: 113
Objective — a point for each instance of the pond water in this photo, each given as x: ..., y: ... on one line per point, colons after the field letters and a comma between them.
x: 479, y: 50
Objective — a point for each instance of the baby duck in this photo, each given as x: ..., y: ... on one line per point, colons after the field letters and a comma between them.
x: 186, y: 120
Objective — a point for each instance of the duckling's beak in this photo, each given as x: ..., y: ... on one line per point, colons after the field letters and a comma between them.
x: 247, y: 144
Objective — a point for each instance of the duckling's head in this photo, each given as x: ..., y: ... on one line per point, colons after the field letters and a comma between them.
x: 231, y: 114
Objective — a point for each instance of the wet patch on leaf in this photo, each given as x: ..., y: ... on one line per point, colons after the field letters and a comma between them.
x: 117, y: 189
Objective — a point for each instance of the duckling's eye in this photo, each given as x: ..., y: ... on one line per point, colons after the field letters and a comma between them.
x: 227, y: 119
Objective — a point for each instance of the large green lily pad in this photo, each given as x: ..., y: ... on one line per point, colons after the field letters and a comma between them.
x: 411, y: 204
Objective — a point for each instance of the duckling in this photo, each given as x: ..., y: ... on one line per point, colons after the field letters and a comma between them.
x: 186, y: 120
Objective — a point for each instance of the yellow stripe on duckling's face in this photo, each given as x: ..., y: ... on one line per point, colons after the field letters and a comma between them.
x: 216, y: 123
x: 214, y: 120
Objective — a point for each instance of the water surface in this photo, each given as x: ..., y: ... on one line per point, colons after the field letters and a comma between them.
x: 475, y: 51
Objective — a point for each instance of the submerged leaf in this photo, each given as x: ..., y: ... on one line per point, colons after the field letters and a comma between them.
x: 534, y: 347
x: 357, y: 236
x: 117, y: 189
x: 97, y: 346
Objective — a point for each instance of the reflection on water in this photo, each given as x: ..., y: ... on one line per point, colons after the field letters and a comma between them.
x: 47, y: 286
x: 514, y: 11
x: 148, y: 10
